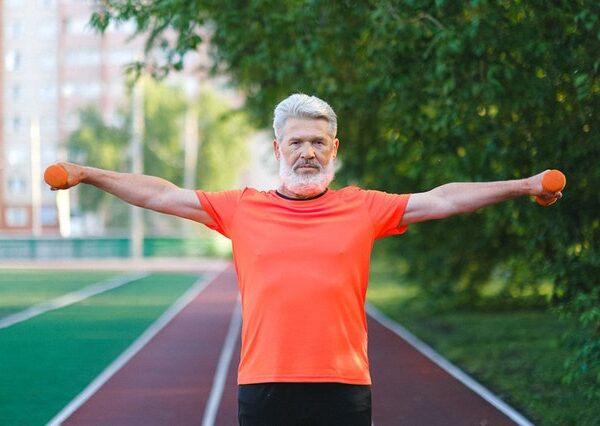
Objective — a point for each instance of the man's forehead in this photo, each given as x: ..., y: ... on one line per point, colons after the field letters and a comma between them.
x: 305, y: 127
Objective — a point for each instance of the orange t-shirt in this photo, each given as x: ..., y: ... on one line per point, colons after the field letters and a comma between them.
x: 303, y: 268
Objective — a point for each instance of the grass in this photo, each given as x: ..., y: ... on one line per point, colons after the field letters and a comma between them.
x: 517, y: 354
x: 46, y: 361
x: 22, y: 289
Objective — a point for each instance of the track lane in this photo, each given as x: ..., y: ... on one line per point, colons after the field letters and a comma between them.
x: 228, y: 409
x: 168, y: 382
x: 409, y: 389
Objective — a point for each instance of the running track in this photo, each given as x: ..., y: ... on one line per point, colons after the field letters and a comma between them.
x: 178, y: 376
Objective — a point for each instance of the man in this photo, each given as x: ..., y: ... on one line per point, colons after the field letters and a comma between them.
x: 302, y: 257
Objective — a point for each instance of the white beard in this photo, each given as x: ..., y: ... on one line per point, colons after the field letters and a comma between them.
x: 306, y: 185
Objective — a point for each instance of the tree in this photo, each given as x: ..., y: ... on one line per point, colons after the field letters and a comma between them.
x: 164, y: 106
x: 427, y: 92
x: 223, y: 132
x: 222, y: 153
x: 97, y: 143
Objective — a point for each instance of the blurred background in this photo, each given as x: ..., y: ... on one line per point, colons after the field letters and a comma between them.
x: 67, y: 96
x: 426, y: 92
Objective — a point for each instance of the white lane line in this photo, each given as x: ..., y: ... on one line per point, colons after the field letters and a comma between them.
x: 216, y: 392
x: 69, y: 299
x: 133, y: 349
x: 447, y: 366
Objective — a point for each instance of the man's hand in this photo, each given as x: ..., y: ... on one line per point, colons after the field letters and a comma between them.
x: 547, y: 186
x: 63, y: 175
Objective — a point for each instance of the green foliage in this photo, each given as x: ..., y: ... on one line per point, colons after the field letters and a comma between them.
x: 102, y: 145
x: 164, y: 107
x: 223, y: 152
x: 585, y: 361
x: 433, y: 91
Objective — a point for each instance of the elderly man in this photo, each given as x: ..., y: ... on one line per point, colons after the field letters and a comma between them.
x: 302, y: 257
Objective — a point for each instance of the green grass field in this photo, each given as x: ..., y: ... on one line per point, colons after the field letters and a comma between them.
x: 517, y: 354
x: 19, y: 289
x: 48, y: 360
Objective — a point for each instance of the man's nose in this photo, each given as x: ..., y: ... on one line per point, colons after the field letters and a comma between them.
x: 308, y: 151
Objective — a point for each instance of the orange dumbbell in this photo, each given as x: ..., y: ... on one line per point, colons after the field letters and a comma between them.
x: 552, y: 181
x: 57, y: 177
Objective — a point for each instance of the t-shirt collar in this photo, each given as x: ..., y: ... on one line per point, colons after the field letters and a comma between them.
x: 301, y: 199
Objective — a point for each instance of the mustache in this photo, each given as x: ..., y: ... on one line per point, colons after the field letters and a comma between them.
x: 305, y: 163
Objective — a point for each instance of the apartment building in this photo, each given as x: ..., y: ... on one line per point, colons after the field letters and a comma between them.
x: 53, y: 65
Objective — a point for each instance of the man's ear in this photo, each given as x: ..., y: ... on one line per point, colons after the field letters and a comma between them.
x: 336, y: 145
x: 276, y: 148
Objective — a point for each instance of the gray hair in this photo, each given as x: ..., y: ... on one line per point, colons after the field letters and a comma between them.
x: 300, y: 105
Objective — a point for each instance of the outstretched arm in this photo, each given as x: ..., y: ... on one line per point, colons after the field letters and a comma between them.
x: 456, y: 198
x: 149, y: 192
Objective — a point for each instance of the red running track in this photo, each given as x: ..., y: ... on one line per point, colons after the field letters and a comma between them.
x: 169, y: 381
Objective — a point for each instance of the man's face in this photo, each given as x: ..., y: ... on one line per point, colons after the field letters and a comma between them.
x: 305, y: 155
x: 306, y: 145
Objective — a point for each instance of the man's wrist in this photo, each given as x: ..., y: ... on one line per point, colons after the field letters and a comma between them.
x: 526, y: 186
x: 85, y: 174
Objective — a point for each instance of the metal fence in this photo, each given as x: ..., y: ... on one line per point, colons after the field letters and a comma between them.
x: 108, y: 247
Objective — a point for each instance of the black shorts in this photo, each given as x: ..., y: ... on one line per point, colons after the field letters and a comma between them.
x: 304, y: 404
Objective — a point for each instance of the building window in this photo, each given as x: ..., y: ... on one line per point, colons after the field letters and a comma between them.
x: 13, y: 31
x: 16, y: 216
x: 48, y: 92
x: 47, y: 30
x: 13, y: 4
x: 48, y: 124
x: 49, y: 215
x: 47, y: 3
x: 15, y: 92
x: 17, y: 122
x: 12, y: 61
x: 16, y: 186
x: 83, y: 58
x: 121, y: 57
x: 17, y: 157
x: 90, y: 90
x: 48, y: 63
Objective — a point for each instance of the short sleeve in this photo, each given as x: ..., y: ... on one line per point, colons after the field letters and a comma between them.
x: 221, y: 206
x: 386, y: 211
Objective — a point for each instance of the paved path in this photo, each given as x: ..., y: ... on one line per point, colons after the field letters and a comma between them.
x: 171, y: 379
